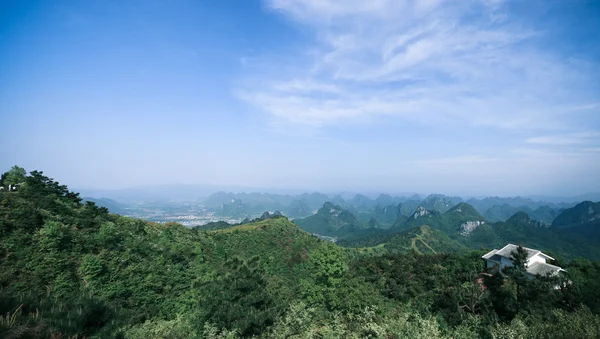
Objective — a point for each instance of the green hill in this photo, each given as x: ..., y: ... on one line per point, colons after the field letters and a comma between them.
x: 362, y: 202
x: 461, y: 218
x: 501, y: 212
x: 422, y: 239
x: 523, y: 219
x: 521, y: 229
x: 87, y: 272
x: 278, y: 240
x: 545, y: 214
x: 111, y: 205
x: 386, y: 200
x: 440, y: 202
x: 466, y: 226
x: 421, y: 216
x: 298, y: 209
x: 331, y: 220
x: 388, y: 214
x: 408, y: 207
x: 585, y: 215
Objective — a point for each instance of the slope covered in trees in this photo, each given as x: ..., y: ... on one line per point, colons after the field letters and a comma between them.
x: 331, y: 220
x: 70, y: 269
x: 583, y: 219
x: 465, y: 226
x: 520, y: 228
x: 459, y: 218
x: 422, y: 239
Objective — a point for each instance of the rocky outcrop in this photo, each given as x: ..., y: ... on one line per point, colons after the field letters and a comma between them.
x: 421, y: 211
x: 469, y: 226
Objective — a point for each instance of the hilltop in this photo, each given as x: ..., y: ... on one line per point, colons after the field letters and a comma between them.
x: 583, y: 217
x: 331, y: 220
x: 116, y: 271
x: 545, y: 214
x: 461, y: 218
x: 421, y: 239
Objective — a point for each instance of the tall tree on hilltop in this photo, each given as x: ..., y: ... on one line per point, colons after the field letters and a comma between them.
x: 16, y: 175
x: 518, y: 272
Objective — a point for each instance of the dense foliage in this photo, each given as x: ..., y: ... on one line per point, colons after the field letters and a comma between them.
x: 70, y: 269
x: 331, y: 220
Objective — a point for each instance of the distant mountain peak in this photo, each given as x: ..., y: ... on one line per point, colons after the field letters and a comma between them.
x: 329, y: 220
x: 384, y: 196
x: 440, y: 202
x: 519, y: 217
x: 465, y: 209
x: 330, y: 209
x: 586, y: 212
x: 523, y: 219
x: 420, y: 212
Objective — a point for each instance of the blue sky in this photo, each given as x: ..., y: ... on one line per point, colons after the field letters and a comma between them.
x: 469, y: 97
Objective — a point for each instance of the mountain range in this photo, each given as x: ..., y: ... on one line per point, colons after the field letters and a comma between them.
x: 280, y: 200
x: 575, y: 232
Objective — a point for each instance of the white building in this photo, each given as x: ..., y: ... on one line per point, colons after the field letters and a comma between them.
x: 535, y: 265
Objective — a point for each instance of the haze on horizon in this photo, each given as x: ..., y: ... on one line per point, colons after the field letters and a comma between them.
x: 470, y: 97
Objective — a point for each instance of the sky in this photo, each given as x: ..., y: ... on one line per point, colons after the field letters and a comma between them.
x: 465, y: 97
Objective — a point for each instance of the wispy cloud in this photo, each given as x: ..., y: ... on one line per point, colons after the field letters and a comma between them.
x: 466, y: 160
x: 581, y: 138
x: 469, y: 63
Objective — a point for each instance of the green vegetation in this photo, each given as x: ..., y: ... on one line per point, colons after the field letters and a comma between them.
x: 531, y: 233
x: 69, y: 269
x: 440, y: 202
x: 422, y: 240
x: 584, y: 218
x: 111, y: 205
x: 450, y: 221
x: 545, y: 214
x: 331, y: 220
x: 387, y: 214
x: 465, y: 227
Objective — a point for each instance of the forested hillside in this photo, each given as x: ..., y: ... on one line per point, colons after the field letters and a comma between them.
x: 331, y: 220
x: 583, y: 218
x: 69, y: 269
x: 422, y: 239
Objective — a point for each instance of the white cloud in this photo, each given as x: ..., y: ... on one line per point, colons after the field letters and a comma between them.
x: 467, y: 62
x: 466, y: 160
x: 304, y: 86
x: 567, y: 139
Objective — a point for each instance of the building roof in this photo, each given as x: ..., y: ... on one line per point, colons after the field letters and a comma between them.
x: 507, y: 251
x: 490, y: 254
x: 540, y: 268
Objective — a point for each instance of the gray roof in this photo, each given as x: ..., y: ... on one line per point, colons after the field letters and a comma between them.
x: 542, y: 269
x: 507, y: 251
x: 490, y: 254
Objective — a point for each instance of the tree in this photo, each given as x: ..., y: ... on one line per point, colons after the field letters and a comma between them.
x: 16, y: 175
x: 240, y: 300
x: 501, y: 297
x: 3, y: 178
x: 471, y: 293
x: 328, y: 267
x: 518, y: 272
